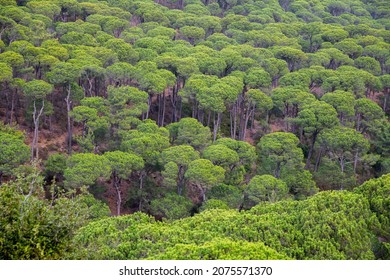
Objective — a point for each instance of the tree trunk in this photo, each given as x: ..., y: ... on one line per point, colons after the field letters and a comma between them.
x: 202, y: 192
x: 33, y: 140
x: 253, y: 119
x: 11, y: 119
x: 231, y: 123
x: 117, y: 183
x: 358, y: 122
x: 90, y: 82
x: 248, y: 114
x: 194, y: 109
x: 180, y: 109
x: 159, y: 109
x: 286, y: 109
x: 7, y: 106
x: 36, y: 117
x: 69, y: 125
x: 277, y: 170
x: 342, y: 164
x: 318, y: 160
x: 149, y: 104
x: 355, y: 161
x: 173, y: 102
x: 314, y: 137
x: 180, y: 185
x: 217, y: 124
x: 163, y: 109
x: 386, y: 95
x: 141, y: 186
x: 201, y: 116
x: 235, y: 121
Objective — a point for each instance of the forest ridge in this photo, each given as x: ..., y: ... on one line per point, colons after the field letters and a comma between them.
x: 231, y: 129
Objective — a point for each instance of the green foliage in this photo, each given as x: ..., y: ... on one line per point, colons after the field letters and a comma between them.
x: 230, y: 195
x: 192, y: 34
x: 367, y: 112
x: 204, y: 174
x: 221, y: 249
x: 213, y: 204
x: 172, y: 206
x: 182, y: 155
x: 63, y: 73
x: 292, y: 56
x: 317, y: 116
x: 37, y: 89
x: 149, y: 87
x: 377, y: 192
x: 343, y: 102
x: 245, y: 151
x: 299, y: 182
x: 85, y: 169
x: 221, y: 155
x: 342, y: 139
x: 170, y: 174
x: 345, y: 146
x: 191, y: 132
x: 123, y: 164
x: 146, y: 144
x: 262, y: 101
x: 330, y: 225
x: 13, y: 151
x: 55, y: 164
x: 277, y: 150
x: 33, y: 227
x: 264, y: 188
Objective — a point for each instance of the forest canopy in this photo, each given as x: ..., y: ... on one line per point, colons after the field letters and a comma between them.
x: 194, y: 129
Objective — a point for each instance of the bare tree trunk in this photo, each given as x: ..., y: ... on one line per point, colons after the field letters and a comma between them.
x: 355, y: 161
x: 386, y: 95
x: 277, y: 170
x: 242, y: 114
x: 318, y: 160
x: 90, y: 82
x: 180, y: 108
x: 159, y: 109
x: 173, y: 102
x: 117, y: 183
x: 358, y: 120
x: 36, y: 117
x: 201, y: 116
x: 11, y: 119
x: 149, y: 104
x: 217, y: 124
x: 141, y: 186
x: 180, y: 185
x: 342, y: 164
x: 231, y: 123
x: 163, y: 110
x: 314, y: 137
x: 7, y: 106
x: 202, y: 192
x: 248, y: 114
x: 235, y: 121
x: 253, y: 119
x: 194, y: 109
x: 286, y: 109
x: 33, y: 140
x: 69, y: 125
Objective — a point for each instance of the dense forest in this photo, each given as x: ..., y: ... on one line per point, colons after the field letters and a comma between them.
x: 195, y: 129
